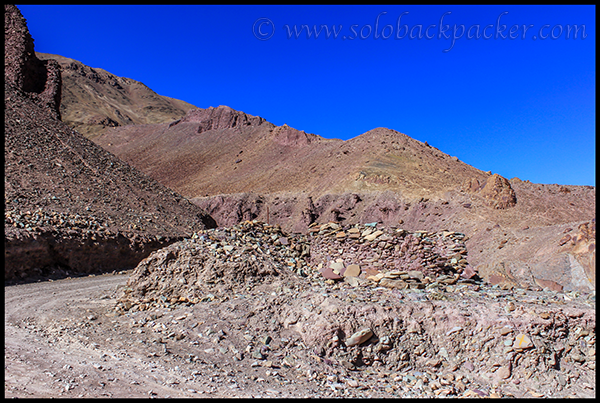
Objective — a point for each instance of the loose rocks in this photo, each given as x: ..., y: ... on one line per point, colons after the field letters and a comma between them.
x: 359, y: 337
x: 187, y: 271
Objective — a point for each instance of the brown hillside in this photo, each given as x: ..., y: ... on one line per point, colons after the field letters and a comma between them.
x: 351, y: 270
x: 200, y: 158
x: 239, y: 167
x: 93, y: 99
x: 70, y: 204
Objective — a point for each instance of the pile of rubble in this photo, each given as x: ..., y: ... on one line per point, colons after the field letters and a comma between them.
x: 402, y: 315
x: 187, y: 271
x: 34, y: 221
x: 245, y: 253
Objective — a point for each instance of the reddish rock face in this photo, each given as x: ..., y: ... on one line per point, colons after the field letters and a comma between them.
x: 222, y: 117
x: 498, y: 192
x: 288, y: 136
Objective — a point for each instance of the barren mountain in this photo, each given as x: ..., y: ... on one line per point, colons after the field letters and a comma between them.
x: 69, y: 204
x: 222, y: 151
x: 93, y: 99
x: 239, y: 167
x: 329, y: 303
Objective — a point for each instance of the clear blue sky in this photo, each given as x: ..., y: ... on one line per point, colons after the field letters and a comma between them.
x: 518, y: 107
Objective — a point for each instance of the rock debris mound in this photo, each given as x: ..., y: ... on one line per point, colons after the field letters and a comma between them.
x: 239, y: 256
x: 254, y: 251
x: 424, y: 329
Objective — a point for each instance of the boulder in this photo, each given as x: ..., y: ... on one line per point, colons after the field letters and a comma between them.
x: 498, y: 192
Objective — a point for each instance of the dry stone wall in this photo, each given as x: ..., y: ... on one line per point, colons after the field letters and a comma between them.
x: 392, y: 257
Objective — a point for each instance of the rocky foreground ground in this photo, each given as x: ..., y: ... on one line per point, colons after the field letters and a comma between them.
x: 333, y: 312
x: 251, y: 311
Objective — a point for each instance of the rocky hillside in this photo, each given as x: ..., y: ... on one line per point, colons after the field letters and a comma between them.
x: 241, y: 167
x: 339, y: 269
x: 93, y: 99
x: 223, y: 151
x: 69, y: 204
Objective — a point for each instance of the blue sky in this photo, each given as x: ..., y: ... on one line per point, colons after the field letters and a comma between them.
x: 516, y: 106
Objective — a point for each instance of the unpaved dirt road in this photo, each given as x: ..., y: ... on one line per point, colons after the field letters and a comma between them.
x: 52, y: 336
x: 43, y: 360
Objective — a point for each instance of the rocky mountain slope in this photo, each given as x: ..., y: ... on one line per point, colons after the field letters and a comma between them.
x: 223, y: 151
x: 241, y: 167
x: 364, y: 317
x: 93, y: 99
x: 321, y: 300
x: 69, y: 204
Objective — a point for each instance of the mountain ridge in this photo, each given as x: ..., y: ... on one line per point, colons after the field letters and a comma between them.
x: 281, y: 146
x: 241, y: 172
x: 93, y: 98
x: 238, y: 166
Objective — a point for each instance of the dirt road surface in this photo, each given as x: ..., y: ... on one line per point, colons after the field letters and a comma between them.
x: 50, y: 351
x: 63, y: 339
